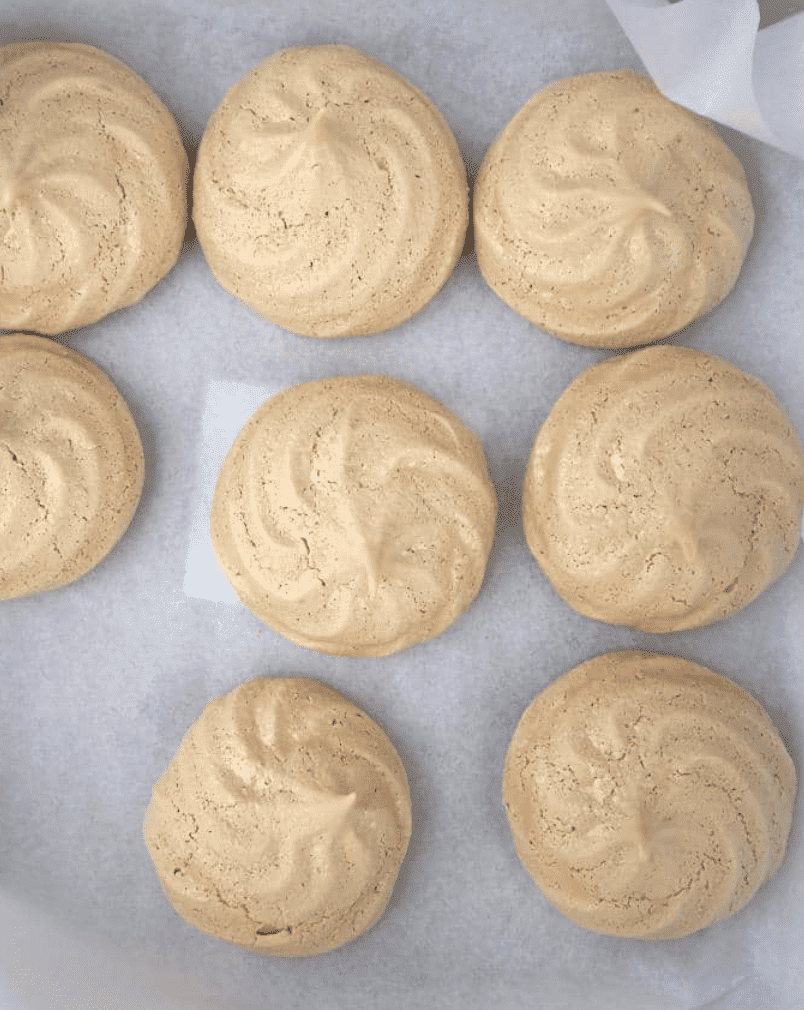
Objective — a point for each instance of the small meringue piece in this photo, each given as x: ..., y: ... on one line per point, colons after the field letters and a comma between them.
x: 608, y: 215
x: 329, y: 194
x: 282, y: 820
x: 648, y: 796
x: 664, y: 491
x: 355, y: 515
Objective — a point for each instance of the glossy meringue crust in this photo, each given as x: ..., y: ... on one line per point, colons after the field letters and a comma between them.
x: 71, y: 465
x: 648, y: 796
x: 355, y: 515
x: 664, y: 491
x: 330, y: 195
x: 93, y: 187
x: 282, y: 820
x: 608, y: 215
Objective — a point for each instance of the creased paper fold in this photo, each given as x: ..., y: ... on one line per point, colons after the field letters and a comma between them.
x: 709, y: 56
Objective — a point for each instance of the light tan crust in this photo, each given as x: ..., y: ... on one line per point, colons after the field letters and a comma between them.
x: 71, y: 465
x: 608, y: 215
x: 330, y: 195
x: 282, y: 820
x: 664, y: 491
x: 93, y: 187
x: 648, y: 796
x: 355, y: 515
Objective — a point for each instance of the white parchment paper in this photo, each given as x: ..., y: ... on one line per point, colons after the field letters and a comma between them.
x: 709, y: 56
x: 100, y: 680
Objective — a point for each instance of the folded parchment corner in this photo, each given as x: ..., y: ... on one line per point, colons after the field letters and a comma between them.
x: 709, y: 56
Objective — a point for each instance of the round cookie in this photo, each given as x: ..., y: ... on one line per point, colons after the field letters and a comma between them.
x: 355, y: 515
x: 71, y: 465
x: 93, y: 186
x: 282, y: 820
x: 608, y: 215
x: 330, y: 195
x: 664, y: 491
x: 648, y: 796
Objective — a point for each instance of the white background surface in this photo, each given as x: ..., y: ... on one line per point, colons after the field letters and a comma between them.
x: 100, y: 680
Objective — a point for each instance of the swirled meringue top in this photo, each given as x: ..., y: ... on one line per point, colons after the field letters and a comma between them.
x: 329, y: 193
x: 608, y: 215
x: 93, y: 186
x: 282, y: 820
x: 648, y: 796
x: 355, y: 515
x: 665, y: 490
x: 71, y: 465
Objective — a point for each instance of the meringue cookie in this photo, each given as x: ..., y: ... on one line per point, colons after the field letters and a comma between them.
x: 71, y: 465
x: 329, y: 194
x: 354, y: 515
x: 93, y: 187
x: 282, y: 820
x: 648, y: 796
x: 664, y: 491
x: 608, y: 215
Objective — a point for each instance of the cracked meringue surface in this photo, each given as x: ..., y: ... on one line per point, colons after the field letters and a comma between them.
x: 93, y: 187
x: 71, y: 465
x: 355, y: 515
x: 282, y: 820
x: 608, y: 215
x: 664, y: 491
x: 329, y: 194
x: 648, y: 796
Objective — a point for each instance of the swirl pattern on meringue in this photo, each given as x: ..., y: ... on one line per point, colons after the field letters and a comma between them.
x: 71, y: 465
x: 608, y: 215
x: 648, y: 796
x: 329, y: 194
x: 93, y: 187
x: 282, y: 820
x: 664, y: 491
x: 355, y: 515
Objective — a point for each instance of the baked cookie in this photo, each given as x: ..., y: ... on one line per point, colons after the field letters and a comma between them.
x: 355, y: 515
x: 608, y: 215
x: 93, y: 186
x: 71, y: 465
x: 664, y: 491
x: 329, y: 194
x: 282, y: 820
x: 647, y: 796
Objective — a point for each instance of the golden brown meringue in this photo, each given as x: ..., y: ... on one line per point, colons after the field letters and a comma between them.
x: 608, y: 215
x: 282, y: 820
x: 648, y: 796
x: 664, y: 491
x: 71, y: 465
x: 355, y: 515
x: 329, y: 194
x: 93, y: 187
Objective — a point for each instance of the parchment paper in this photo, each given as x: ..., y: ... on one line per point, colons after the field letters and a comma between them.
x: 710, y: 56
x: 100, y: 680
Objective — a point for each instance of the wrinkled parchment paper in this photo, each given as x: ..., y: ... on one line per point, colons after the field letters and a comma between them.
x: 709, y: 56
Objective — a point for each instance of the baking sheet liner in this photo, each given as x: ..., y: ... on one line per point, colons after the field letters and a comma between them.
x: 100, y: 680
x: 710, y: 56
